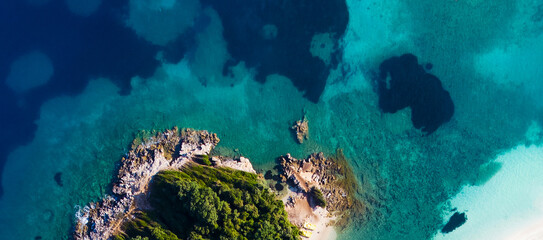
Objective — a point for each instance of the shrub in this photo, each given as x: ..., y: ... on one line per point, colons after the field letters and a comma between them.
x: 317, y: 197
x: 202, y: 159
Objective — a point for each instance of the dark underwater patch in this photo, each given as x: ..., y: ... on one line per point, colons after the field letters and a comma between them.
x: 58, y: 179
x: 80, y: 48
x: 275, y: 37
x: 403, y: 83
x: 456, y: 220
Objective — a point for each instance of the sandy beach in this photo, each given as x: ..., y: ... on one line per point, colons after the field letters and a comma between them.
x: 299, y: 212
x: 532, y: 232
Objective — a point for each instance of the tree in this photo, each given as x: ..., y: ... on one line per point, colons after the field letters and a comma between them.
x: 202, y: 202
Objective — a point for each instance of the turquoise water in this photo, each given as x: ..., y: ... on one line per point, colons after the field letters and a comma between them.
x: 486, y: 54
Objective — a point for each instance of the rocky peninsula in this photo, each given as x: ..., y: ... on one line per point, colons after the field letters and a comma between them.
x: 317, y: 193
x: 169, y: 150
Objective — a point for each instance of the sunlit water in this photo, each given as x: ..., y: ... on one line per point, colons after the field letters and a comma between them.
x: 486, y: 54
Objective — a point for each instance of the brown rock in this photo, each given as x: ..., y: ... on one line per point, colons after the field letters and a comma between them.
x: 301, y: 129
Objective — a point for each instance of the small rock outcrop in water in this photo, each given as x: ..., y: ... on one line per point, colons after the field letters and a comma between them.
x: 101, y: 220
x: 403, y: 83
x: 301, y: 129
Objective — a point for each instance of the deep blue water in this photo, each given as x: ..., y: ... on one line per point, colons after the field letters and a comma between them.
x: 288, y: 52
x: 80, y: 49
x: 101, y: 45
x: 247, y: 70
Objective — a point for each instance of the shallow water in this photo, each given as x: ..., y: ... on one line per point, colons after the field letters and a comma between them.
x: 111, y: 82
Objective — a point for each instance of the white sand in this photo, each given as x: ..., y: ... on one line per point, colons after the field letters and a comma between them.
x: 509, y: 205
x: 324, y: 230
x: 301, y: 213
x: 532, y: 232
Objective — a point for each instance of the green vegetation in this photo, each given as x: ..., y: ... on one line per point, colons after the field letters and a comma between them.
x: 202, y: 159
x: 317, y: 197
x: 140, y: 238
x: 201, y: 202
x: 144, y: 227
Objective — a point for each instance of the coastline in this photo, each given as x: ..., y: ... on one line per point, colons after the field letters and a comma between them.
x: 130, y: 191
x: 174, y: 149
x: 330, y: 175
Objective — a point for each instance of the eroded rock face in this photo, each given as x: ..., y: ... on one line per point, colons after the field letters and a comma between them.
x: 242, y: 164
x: 403, y: 82
x: 101, y: 220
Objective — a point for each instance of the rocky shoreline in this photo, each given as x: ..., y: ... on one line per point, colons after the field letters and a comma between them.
x: 331, y: 176
x: 171, y: 149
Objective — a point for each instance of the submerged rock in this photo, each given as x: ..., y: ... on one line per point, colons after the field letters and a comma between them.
x: 58, y: 179
x: 403, y: 83
x: 456, y: 220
